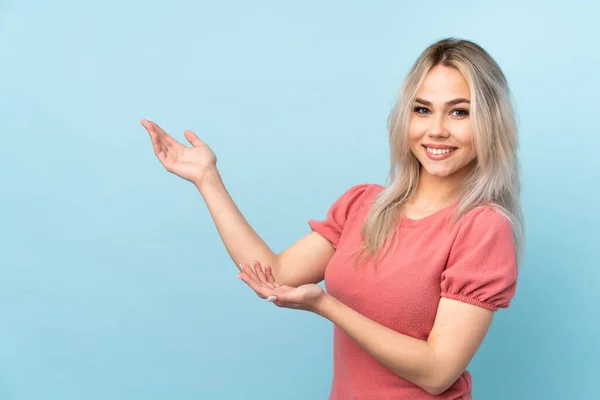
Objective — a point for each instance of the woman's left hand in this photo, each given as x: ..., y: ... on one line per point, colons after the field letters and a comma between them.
x: 305, y: 297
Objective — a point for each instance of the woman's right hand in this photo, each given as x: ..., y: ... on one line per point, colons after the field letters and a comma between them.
x: 194, y: 164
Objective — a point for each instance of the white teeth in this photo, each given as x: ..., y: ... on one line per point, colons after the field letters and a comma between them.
x: 439, y: 151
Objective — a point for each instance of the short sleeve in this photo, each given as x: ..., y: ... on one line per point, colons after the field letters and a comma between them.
x: 332, y: 226
x: 482, y: 265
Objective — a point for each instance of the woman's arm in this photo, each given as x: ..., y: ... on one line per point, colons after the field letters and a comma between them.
x: 301, y: 263
x: 240, y: 240
x: 435, y: 364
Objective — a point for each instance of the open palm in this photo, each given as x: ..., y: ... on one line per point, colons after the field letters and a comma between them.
x: 261, y: 280
x: 190, y: 163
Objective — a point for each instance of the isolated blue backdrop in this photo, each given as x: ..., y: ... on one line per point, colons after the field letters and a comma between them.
x: 114, y: 283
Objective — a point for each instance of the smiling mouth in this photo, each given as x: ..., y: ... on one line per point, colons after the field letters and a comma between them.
x: 439, y: 152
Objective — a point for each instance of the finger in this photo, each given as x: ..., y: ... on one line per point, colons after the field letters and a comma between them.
x: 163, y: 136
x: 278, y: 296
x: 154, y: 127
x: 261, y: 274
x: 258, y: 269
x: 170, y: 141
x: 249, y: 272
x: 157, y: 144
x: 153, y: 136
x: 260, y: 290
x: 146, y: 124
x: 290, y: 296
x: 193, y: 139
x: 158, y: 137
x: 243, y: 267
x: 269, y: 276
x: 281, y: 300
x: 160, y: 149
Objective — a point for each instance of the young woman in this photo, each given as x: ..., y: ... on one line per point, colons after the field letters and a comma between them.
x: 414, y: 270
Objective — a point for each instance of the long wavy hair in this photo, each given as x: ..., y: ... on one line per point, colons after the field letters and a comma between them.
x: 493, y: 181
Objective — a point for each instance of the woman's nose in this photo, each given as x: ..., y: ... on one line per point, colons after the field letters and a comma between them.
x: 437, y: 127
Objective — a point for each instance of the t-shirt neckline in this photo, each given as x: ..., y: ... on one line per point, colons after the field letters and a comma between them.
x: 410, y: 223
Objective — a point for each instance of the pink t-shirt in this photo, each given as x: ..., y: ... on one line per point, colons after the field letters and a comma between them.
x: 473, y: 261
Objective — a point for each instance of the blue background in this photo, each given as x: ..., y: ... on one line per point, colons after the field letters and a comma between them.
x: 114, y: 283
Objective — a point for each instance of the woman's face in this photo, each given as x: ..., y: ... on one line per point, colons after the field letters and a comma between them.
x: 440, y: 128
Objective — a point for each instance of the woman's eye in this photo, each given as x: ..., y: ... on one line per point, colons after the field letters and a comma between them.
x: 461, y: 112
x: 458, y: 112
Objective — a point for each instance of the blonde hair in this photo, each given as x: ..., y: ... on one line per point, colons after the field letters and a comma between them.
x: 494, y: 180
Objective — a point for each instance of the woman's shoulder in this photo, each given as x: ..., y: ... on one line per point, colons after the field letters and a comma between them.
x: 355, y: 198
x: 365, y: 189
x: 483, y: 223
x: 489, y: 214
x: 363, y: 193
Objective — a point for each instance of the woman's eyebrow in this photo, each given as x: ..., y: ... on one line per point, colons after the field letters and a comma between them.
x: 448, y: 103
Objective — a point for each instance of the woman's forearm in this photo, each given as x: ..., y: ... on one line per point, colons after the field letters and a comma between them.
x: 408, y: 357
x: 241, y: 241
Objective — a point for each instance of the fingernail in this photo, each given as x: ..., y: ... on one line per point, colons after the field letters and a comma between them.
x: 272, y: 299
x: 239, y: 276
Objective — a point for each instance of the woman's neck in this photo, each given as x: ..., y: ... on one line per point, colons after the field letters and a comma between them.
x: 434, y: 192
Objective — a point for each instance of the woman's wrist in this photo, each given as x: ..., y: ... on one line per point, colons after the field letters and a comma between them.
x: 210, y: 179
x: 324, y: 305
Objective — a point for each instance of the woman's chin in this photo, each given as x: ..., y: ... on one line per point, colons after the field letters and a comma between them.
x: 438, y: 172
